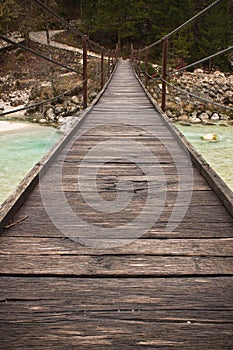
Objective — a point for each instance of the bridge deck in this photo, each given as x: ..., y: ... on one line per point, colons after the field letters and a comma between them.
x: 132, y: 283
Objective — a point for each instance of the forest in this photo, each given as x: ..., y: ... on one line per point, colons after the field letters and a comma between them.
x: 132, y: 21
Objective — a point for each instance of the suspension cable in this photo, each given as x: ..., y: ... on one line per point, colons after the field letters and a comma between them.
x: 59, y: 18
x: 192, y: 64
x: 67, y: 24
x: 183, y: 25
x: 196, y: 96
x: 37, y: 54
x: 201, y: 61
x: 41, y: 102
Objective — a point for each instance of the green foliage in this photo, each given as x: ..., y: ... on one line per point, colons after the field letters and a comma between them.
x: 9, y: 11
x: 24, y: 15
x: 139, y: 22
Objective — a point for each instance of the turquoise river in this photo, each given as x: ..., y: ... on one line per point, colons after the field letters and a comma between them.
x: 21, y: 149
x: 219, y: 153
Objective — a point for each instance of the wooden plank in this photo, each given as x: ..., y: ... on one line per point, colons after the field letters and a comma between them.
x: 157, y: 247
x: 114, y: 334
x: 161, y: 293
x: 175, y: 313
x: 169, y: 290
x: 108, y: 265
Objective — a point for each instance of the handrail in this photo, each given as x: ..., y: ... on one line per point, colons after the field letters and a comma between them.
x: 199, y: 14
x: 41, y: 102
x: 23, y: 47
x: 201, y: 61
x: 10, y: 206
x: 84, y: 73
x: 197, y: 97
x: 135, y: 56
x: 67, y: 24
x: 224, y: 193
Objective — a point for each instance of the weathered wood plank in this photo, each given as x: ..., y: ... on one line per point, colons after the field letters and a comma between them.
x: 157, y: 247
x: 108, y: 265
x: 155, y: 292
x: 114, y: 334
x: 175, y: 313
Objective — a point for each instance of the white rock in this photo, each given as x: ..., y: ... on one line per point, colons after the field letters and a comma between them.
x: 215, y: 116
x: 75, y: 100
x: 50, y: 115
x: 204, y: 116
x: 198, y: 71
x: 61, y: 120
x: 195, y: 120
x: 209, y: 137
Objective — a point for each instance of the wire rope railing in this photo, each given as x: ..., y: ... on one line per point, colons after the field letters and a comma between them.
x: 41, y: 102
x: 37, y: 54
x: 199, y: 14
x: 105, y: 61
x: 140, y: 61
x: 63, y: 21
x: 185, y: 92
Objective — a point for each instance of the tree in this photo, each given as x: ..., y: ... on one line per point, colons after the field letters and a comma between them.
x: 9, y: 12
x: 213, y: 31
x: 12, y: 15
x: 121, y: 20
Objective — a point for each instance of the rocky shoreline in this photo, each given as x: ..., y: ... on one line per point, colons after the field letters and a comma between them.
x: 23, y: 89
x: 26, y: 80
x: 186, y: 110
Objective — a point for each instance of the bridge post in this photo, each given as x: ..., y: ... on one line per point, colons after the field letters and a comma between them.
x: 117, y: 52
x: 102, y: 69
x: 139, y: 65
x: 84, y: 71
x: 164, y: 73
x: 146, y: 68
x: 131, y: 52
x: 109, y: 63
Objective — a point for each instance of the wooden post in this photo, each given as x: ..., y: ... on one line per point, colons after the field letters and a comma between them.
x: 131, y: 52
x: 109, y: 64
x: 164, y: 73
x: 84, y: 71
x: 146, y: 68
x: 139, y: 65
x: 102, y: 69
x: 117, y: 51
x: 136, y: 60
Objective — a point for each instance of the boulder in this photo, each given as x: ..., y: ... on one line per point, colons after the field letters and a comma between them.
x: 50, y: 115
x: 58, y: 109
x: 209, y: 137
x: 215, y: 116
x: 75, y: 100
x: 71, y: 110
x: 203, y: 116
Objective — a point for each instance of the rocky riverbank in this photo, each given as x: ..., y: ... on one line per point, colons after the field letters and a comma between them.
x: 181, y: 107
x: 26, y: 80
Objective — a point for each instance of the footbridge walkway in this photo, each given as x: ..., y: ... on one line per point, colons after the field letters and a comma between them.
x: 122, y: 238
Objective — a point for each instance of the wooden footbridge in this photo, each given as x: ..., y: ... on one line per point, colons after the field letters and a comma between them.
x: 124, y: 243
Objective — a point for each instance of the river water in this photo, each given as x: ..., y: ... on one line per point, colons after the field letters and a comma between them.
x: 219, y: 153
x: 20, y: 150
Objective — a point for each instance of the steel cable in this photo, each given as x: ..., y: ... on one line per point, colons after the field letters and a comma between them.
x: 42, y: 102
x: 38, y: 54
x: 67, y: 24
x: 182, y: 25
x: 195, y: 96
x: 201, y: 61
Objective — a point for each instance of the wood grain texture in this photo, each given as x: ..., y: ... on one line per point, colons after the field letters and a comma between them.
x: 168, y: 289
